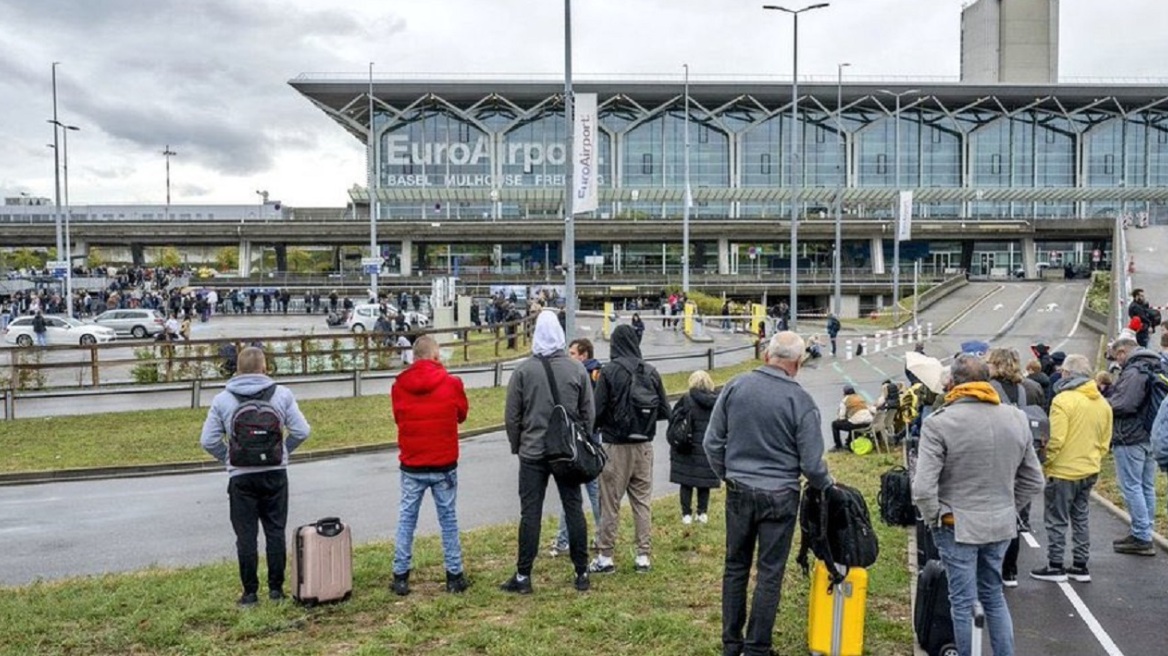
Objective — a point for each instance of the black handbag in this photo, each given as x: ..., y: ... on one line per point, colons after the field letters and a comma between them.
x: 568, y: 448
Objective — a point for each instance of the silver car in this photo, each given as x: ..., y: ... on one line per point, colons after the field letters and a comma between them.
x: 138, y: 322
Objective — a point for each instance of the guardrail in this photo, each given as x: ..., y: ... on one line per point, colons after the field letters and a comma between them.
x: 355, y: 379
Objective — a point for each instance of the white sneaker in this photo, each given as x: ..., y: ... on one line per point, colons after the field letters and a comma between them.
x: 602, y: 565
x: 687, y: 519
x: 641, y: 564
x: 704, y: 518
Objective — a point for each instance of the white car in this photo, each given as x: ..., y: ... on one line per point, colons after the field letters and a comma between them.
x: 364, y: 317
x: 58, y: 330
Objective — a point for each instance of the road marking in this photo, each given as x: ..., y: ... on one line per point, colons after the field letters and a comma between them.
x: 1030, y: 539
x: 952, y: 322
x: 1089, y: 619
x: 1018, y: 313
x: 1075, y: 327
x: 878, y: 370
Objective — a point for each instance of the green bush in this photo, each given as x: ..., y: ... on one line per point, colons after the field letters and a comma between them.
x: 1099, y: 293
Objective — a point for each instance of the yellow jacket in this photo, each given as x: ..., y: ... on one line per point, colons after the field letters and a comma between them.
x: 1080, y: 432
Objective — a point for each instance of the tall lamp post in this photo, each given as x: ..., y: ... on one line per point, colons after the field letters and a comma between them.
x: 569, y: 219
x: 896, y: 231
x: 68, y: 255
x: 373, y: 204
x: 796, y: 170
x: 168, y: 153
x: 56, y: 164
x: 688, y: 197
x: 839, y: 203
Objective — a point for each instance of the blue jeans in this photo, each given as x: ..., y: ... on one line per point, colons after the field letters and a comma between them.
x: 1136, y: 471
x: 975, y: 574
x: 444, y: 488
x: 42, y: 339
x: 593, y: 490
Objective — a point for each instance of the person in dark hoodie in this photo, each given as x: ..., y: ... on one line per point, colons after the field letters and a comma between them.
x: 1042, y: 353
x: 629, y: 444
x: 1135, y: 468
x: 1034, y: 373
x: 1057, y: 359
x: 688, y: 465
x: 526, y: 415
x: 257, y: 495
x: 428, y: 406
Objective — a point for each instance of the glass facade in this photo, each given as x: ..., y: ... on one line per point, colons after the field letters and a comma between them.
x: 739, y: 141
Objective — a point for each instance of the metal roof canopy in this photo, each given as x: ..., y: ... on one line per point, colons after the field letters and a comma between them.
x: 817, y: 195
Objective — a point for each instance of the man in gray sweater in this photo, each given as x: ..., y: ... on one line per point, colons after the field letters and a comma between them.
x: 764, y: 432
x: 976, y: 469
x: 257, y: 494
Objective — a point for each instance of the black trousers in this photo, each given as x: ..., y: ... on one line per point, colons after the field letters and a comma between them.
x: 533, y: 481
x: 1010, y: 562
x: 687, y: 499
x: 259, y: 499
x: 840, y: 426
x: 764, y: 519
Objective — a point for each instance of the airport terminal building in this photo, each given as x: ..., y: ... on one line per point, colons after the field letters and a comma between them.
x: 493, y: 150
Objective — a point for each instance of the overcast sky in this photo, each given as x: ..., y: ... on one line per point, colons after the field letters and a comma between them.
x: 209, y: 77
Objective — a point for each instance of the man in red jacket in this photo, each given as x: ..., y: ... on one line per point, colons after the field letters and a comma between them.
x: 428, y: 406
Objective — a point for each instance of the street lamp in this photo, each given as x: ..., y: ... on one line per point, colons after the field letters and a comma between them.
x: 56, y: 162
x: 67, y: 256
x: 688, y: 197
x: 569, y: 218
x: 896, y: 230
x: 839, y: 202
x: 796, y: 182
x: 168, y: 153
x: 373, y: 184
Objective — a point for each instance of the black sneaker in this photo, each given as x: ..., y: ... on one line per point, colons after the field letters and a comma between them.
x: 401, y: 584
x: 1079, y: 573
x: 1010, y: 579
x: 248, y: 600
x: 583, y: 583
x: 276, y: 594
x: 1049, y: 573
x: 1127, y: 539
x: 456, y: 583
x: 518, y: 585
x: 1136, y: 547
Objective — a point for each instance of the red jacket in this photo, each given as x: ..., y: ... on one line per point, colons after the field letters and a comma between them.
x: 428, y: 406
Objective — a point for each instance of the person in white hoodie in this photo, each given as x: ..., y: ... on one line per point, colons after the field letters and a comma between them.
x: 257, y: 494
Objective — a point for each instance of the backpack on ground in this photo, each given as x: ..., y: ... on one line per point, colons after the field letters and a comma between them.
x: 257, y: 431
x: 895, y: 499
x: 835, y: 527
x: 570, y: 452
x: 680, y: 431
x: 636, y: 410
x: 1156, y: 387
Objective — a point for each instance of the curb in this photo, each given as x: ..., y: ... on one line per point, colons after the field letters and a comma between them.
x: 1123, y: 515
x: 945, y: 326
x: 175, y: 468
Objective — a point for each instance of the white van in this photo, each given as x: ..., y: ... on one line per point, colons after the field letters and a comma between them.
x: 364, y: 317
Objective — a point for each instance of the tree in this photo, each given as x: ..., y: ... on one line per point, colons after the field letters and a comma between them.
x: 169, y: 258
x: 227, y: 259
x: 26, y: 258
x: 95, y: 258
x: 299, y: 260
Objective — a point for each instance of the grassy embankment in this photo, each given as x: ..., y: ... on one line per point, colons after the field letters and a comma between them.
x: 674, y: 610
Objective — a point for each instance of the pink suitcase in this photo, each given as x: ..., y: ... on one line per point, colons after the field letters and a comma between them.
x: 322, y: 562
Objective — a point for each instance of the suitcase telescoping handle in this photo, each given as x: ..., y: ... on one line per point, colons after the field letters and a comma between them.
x: 329, y: 526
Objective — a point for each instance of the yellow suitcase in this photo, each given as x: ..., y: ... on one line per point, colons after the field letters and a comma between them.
x: 835, y: 614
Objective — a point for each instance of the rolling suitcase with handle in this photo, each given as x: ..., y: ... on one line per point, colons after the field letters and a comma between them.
x: 932, y: 618
x: 322, y: 562
x: 835, y: 612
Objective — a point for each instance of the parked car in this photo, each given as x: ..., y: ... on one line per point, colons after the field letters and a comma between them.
x: 139, y: 323
x: 364, y: 316
x: 59, y: 330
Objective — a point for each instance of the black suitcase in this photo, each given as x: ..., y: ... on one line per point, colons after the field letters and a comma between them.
x: 926, y: 546
x: 932, y: 620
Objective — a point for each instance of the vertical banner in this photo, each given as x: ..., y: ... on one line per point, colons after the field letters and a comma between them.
x: 585, y: 195
x: 904, y: 216
x: 606, y: 325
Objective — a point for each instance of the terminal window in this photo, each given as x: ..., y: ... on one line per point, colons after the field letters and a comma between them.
x: 765, y: 164
x: 647, y: 164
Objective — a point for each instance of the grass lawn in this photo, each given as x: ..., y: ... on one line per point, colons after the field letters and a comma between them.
x: 675, y: 609
x: 172, y: 435
x: 1109, y: 488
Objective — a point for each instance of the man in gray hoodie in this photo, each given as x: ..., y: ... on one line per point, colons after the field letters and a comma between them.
x: 527, y: 413
x: 764, y: 433
x: 257, y: 494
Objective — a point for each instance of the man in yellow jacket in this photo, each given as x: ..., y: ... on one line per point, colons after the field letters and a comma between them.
x: 1080, y: 434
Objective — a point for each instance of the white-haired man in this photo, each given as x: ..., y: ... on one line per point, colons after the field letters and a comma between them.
x: 778, y: 437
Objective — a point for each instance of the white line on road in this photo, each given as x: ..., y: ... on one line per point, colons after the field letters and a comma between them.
x: 1030, y: 539
x: 1075, y: 327
x: 1017, y: 313
x: 1089, y: 619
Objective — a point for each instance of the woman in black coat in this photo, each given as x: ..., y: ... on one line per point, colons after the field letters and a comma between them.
x: 688, y: 466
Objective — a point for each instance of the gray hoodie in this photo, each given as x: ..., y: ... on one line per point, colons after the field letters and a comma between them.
x: 218, y: 423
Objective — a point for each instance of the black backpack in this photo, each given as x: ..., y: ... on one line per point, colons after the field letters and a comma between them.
x: 680, y: 431
x: 257, y: 431
x: 570, y: 452
x: 895, y: 499
x: 636, y: 410
x: 835, y: 527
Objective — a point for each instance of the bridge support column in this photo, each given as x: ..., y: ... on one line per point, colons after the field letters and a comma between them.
x: 80, y: 252
x: 850, y: 307
x: 1029, y: 259
x: 281, y: 257
x: 877, y: 256
x: 244, y: 258
x: 137, y: 254
x: 407, y: 258
x: 723, y: 256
